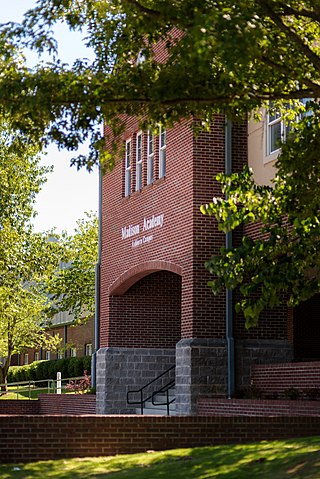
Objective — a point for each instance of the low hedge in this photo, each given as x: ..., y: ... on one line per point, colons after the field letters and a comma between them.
x: 38, y: 370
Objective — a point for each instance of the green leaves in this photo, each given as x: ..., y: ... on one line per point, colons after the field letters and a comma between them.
x: 72, y: 286
x: 280, y: 261
x: 211, y: 57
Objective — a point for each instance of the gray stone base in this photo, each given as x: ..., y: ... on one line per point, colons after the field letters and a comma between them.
x: 122, y: 369
x: 250, y: 351
x: 201, y: 367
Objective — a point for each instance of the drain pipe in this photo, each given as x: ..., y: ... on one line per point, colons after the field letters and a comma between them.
x: 229, y: 295
x: 97, y: 288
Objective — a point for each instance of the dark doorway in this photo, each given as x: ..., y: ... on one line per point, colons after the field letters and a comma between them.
x: 306, y: 330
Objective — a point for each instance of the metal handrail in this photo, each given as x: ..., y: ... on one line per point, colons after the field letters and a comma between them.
x: 140, y: 391
x: 165, y: 389
x: 28, y: 386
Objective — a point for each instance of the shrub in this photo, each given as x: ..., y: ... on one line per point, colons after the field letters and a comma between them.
x: 79, y: 386
x: 75, y: 367
x: 41, y: 370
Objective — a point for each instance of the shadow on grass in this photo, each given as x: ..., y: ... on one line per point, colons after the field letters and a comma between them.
x: 295, y: 459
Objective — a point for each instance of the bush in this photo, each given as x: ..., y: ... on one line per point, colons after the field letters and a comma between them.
x: 41, y: 370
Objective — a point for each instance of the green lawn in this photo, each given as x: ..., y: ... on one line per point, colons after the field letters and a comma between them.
x: 292, y: 459
x: 23, y: 393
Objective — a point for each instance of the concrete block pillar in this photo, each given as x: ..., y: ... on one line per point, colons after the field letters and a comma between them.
x: 201, y: 368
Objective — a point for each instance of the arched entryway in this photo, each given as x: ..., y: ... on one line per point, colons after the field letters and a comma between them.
x: 148, y: 313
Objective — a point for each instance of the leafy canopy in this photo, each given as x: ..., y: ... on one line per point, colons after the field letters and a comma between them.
x: 26, y: 258
x: 218, y: 56
x: 283, y: 263
x: 221, y: 56
x: 72, y: 286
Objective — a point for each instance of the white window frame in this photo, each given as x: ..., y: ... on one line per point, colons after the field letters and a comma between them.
x: 162, y: 151
x: 36, y: 356
x: 284, y: 128
x: 26, y: 358
x: 127, y: 173
x: 48, y: 355
x: 271, y: 123
x: 73, y: 352
x: 139, y: 161
x: 150, y: 158
x: 88, y: 349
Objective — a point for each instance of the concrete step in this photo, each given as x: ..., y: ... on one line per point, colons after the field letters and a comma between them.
x: 155, y: 411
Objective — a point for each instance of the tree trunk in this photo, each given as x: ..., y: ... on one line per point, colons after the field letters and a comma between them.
x: 3, y: 379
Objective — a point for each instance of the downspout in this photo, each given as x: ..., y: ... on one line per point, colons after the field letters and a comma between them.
x: 229, y: 295
x: 97, y: 286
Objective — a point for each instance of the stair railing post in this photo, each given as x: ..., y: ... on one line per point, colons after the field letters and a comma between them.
x: 141, y: 401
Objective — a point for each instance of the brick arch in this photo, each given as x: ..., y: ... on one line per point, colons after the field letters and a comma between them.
x: 121, y: 285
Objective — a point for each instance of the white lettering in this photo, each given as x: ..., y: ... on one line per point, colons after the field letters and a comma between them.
x: 131, y: 230
x: 153, y: 222
x: 146, y: 239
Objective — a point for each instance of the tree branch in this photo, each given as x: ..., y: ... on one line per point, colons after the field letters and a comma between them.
x: 303, y: 47
x: 143, y: 9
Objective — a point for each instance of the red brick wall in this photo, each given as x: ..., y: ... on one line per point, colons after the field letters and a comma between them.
x: 51, y: 404
x: 276, y: 378
x: 36, y: 438
x: 172, y: 243
x: 78, y: 335
x: 251, y: 407
x: 19, y: 406
x: 187, y: 238
x: 67, y: 404
x: 148, y: 314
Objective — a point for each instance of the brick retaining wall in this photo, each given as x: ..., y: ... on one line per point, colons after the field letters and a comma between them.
x: 19, y: 406
x: 276, y: 378
x: 257, y: 407
x: 67, y: 404
x: 75, y: 404
x: 34, y: 438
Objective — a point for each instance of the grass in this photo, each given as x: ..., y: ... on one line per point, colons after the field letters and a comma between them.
x: 23, y: 393
x: 291, y: 459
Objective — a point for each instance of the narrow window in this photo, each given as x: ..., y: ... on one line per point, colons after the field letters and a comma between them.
x: 274, y: 132
x: 48, y: 355
x: 36, y: 356
x: 26, y: 358
x: 73, y: 352
x: 139, y: 161
x: 127, y: 178
x: 150, y: 160
x: 162, y: 152
x: 88, y: 349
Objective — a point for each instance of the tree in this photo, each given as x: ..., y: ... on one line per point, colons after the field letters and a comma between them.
x: 26, y: 258
x: 72, y: 286
x: 222, y: 56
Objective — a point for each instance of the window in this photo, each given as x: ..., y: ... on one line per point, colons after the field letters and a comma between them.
x: 36, y: 356
x: 88, y: 349
x: 48, y: 355
x: 127, y: 178
x: 26, y: 358
x: 278, y: 129
x: 139, y: 161
x: 162, y: 152
x: 150, y: 159
x: 73, y: 352
x: 275, y: 132
x: 60, y: 355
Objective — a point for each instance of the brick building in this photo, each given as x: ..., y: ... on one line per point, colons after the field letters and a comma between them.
x: 156, y: 309
x: 76, y: 340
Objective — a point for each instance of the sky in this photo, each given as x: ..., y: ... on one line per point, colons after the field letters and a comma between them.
x: 68, y: 193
